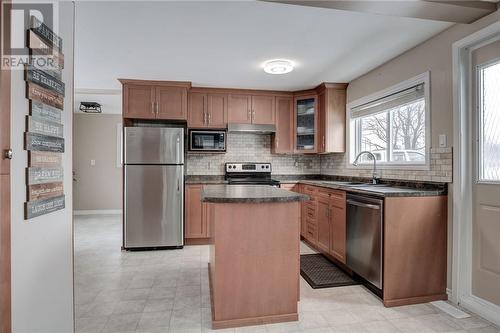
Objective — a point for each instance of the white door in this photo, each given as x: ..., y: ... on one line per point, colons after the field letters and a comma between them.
x: 486, y: 166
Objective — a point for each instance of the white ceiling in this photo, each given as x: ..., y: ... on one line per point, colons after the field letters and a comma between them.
x: 224, y: 43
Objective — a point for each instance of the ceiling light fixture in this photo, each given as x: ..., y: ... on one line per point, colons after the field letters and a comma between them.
x: 278, y: 66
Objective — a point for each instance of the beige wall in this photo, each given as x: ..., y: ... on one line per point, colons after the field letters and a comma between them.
x: 97, y: 187
x: 434, y: 55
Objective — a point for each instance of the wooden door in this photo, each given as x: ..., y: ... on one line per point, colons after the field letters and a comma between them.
x: 323, y: 221
x: 338, y: 224
x: 283, y: 138
x: 197, y: 111
x: 263, y: 111
x: 5, y: 241
x: 196, y: 213
x: 171, y: 103
x: 138, y: 101
x: 239, y: 111
x: 217, y: 110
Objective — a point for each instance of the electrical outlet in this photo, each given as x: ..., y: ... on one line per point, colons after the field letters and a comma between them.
x: 92, y: 162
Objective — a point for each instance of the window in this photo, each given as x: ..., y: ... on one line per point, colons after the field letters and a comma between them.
x: 392, y: 125
x: 489, y: 120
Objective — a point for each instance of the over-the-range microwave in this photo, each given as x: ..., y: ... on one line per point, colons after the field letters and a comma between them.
x: 207, y: 140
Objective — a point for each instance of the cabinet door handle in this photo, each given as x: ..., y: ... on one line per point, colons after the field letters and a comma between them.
x: 209, y: 118
x: 324, y: 142
x: 248, y: 114
x: 153, y: 107
x: 204, y: 118
x: 8, y: 154
x: 157, y: 108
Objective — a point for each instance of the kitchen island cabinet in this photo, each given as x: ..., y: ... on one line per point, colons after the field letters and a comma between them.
x: 254, y: 254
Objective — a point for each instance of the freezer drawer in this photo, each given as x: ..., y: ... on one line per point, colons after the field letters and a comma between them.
x: 153, y: 206
x: 154, y: 145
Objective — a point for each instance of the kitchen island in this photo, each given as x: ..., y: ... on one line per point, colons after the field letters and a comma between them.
x: 254, y: 233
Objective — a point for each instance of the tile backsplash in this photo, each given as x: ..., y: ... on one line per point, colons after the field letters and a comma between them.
x: 247, y: 147
x: 440, y: 168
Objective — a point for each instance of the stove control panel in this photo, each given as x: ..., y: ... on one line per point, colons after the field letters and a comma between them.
x: 248, y: 167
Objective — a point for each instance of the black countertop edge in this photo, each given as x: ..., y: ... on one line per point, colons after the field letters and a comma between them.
x: 248, y: 194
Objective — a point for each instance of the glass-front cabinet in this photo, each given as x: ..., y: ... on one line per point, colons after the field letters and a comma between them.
x: 306, y: 114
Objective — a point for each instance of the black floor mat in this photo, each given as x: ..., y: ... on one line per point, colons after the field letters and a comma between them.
x: 320, y: 272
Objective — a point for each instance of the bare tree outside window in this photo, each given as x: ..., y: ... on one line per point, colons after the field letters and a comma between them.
x: 403, y: 127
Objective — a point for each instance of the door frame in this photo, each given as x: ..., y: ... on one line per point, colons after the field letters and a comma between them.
x: 461, y: 293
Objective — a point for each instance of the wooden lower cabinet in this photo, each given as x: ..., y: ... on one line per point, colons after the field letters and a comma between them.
x: 196, y: 217
x: 324, y: 222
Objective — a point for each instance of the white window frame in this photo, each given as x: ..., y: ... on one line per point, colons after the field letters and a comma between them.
x: 479, y: 121
x: 351, y: 128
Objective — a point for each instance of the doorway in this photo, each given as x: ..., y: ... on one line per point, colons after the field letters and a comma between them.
x: 485, y: 81
x: 476, y: 188
x: 5, y: 244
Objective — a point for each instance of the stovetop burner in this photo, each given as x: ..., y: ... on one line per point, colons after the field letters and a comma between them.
x: 249, y: 174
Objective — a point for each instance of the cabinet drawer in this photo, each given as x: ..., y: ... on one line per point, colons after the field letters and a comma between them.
x: 338, y: 199
x: 310, y: 191
x: 310, y: 211
x: 324, y: 192
x: 311, y: 230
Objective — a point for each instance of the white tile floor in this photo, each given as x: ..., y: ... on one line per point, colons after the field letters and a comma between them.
x: 167, y: 291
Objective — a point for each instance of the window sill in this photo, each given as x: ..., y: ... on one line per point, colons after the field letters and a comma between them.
x: 405, y: 167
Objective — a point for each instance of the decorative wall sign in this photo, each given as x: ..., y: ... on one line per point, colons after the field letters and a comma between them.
x: 44, y: 175
x: 43, y: 111
x: 37, y: 93
x: 47, y: 64
x: 45, y: 33
x: 40, y: 142
x: 44, y: 191
x: 41, y: 126
x: 42, y: 207
x: 44, y: 136
x: 42, y: 159
x: 44, y: 80
x: 39, y: 47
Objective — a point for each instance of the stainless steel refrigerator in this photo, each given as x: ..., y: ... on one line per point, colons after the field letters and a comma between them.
x: 154, y: 187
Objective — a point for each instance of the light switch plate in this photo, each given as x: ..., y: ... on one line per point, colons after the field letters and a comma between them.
x: 443, y: 141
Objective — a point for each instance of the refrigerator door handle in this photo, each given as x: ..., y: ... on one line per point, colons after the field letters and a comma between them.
x: 178, y: 144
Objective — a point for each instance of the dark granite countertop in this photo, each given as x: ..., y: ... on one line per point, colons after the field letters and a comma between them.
x: 381, y: 190
x: 388, y: 188
x: 204, y: 179
x: 248, y: 194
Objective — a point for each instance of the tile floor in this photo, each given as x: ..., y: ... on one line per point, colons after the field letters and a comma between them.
x: 167, y: 291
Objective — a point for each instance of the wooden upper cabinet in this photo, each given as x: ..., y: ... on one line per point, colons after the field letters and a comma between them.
x: 263, y: 110
x: 332, y: 117
x: 306, y: 123
x: 197, y: 110
x: 240, y: 107
x: 171, y: 103
x: 167, y: 100
x: 138, y: 101
x: 196, y: 213
x: 217, y: 110
x: 283, y: 138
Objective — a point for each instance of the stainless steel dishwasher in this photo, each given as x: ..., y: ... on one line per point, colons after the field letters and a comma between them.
x: 365, y: 220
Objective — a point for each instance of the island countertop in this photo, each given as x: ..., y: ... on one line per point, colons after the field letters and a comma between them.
x: 248, y: 194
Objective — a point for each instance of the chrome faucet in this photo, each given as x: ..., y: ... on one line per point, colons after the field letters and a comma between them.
x: 375, y: 178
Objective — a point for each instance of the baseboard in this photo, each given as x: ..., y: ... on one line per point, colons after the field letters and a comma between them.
x: 482, y: 308
x: 98, y: 212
